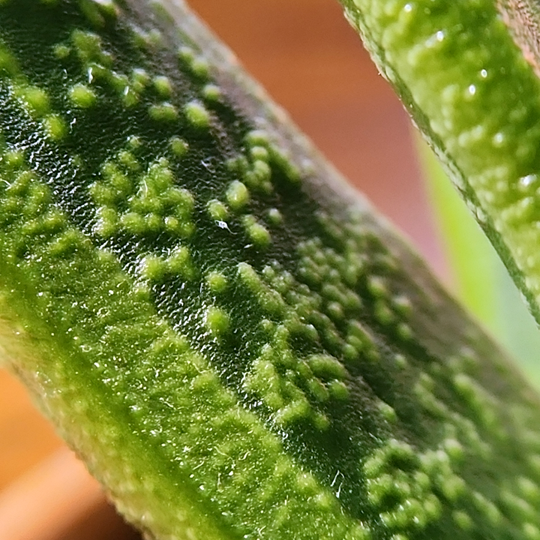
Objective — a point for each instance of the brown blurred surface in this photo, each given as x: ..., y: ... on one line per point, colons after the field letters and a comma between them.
x: 25, y: 438
x: 58, y: 500
x: 313, y: 64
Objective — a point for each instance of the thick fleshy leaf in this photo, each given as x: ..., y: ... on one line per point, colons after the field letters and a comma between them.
x: 226, y: 333
x: 478, y: 277
x: 467, y: 72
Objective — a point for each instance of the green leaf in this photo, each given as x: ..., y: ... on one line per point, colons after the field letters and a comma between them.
x: 466, y: 72
x: 219, y: 326
x: 474, y: 276
x: 479, y: 278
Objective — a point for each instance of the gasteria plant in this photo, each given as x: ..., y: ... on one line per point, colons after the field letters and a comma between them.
x: 469, y: 77
x: 232, y: 340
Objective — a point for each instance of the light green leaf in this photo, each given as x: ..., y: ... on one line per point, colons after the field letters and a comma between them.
x: 478, y: 277
x: 466, y: 71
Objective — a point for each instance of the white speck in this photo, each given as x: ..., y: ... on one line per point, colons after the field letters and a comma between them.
x: 498, y: 139
x: 483, y: 73
x: 407, y: 8
x: 526, y: 181
x: 472, y: 89
x: 439, y: 35
x: 335, y: 478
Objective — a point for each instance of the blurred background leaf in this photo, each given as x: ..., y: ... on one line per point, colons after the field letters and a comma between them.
x: 478, y: 277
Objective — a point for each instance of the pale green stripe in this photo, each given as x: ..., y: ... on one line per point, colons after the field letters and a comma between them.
x: 111, y: 408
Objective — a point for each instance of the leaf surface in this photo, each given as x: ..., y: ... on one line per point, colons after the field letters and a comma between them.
x: 222, y: 329
x: 467, y: 72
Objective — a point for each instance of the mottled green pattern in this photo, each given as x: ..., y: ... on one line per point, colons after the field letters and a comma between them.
x: 229, y: 338
x: 459, y: 69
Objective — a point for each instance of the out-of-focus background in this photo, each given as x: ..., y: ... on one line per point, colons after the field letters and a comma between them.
x: 313, y: 64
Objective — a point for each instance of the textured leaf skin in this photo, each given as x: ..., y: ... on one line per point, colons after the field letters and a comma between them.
x: 467, y: 72
x: 225, y: 333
